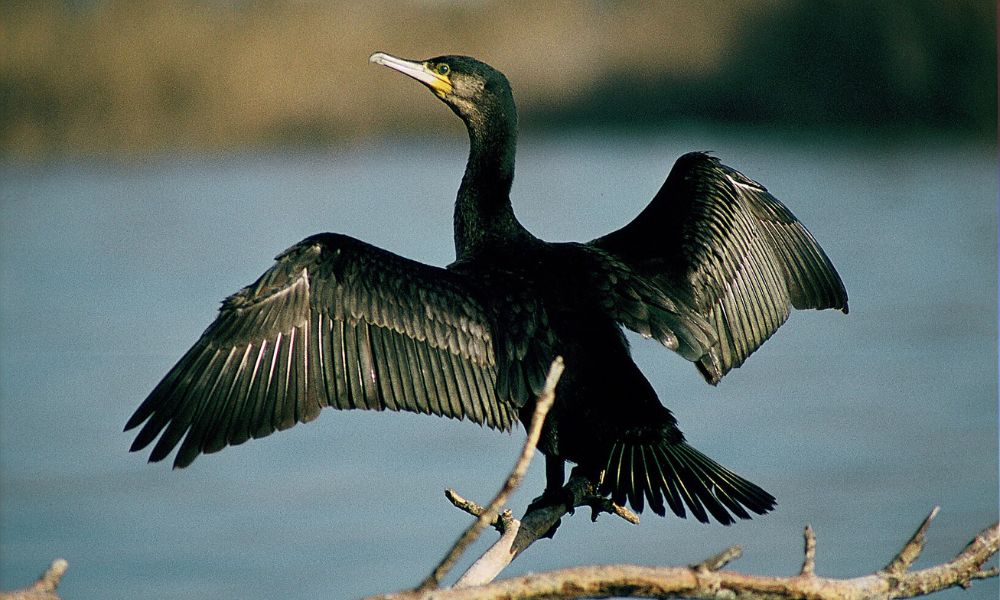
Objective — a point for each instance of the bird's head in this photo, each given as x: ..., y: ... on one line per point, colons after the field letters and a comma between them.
x: 472, y: 89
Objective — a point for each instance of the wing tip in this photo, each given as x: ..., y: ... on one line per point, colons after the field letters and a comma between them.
x: 710, y: 368
x: 132, y: 423
x: 137, y: 445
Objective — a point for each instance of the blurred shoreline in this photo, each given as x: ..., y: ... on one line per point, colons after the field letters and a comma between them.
x: 114, y: 78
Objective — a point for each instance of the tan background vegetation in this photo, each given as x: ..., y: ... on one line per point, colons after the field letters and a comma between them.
x: 137, y: 77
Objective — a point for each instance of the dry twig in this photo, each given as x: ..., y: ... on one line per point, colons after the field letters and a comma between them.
x: 500, y: 523
x: 44, y: 587
x: 809, y: 562
x: 519, y: 534
x: 719, y: 561
x: 489, y: 515
x: 704, y: 580
x: 912, y: 549
x: 516, y: 535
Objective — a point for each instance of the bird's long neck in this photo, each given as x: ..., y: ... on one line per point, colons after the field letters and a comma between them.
x: 484, y: 218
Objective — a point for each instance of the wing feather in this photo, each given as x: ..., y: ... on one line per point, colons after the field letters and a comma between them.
x: 729, y: 255
x: 335, y: 322
x: 384, y: 374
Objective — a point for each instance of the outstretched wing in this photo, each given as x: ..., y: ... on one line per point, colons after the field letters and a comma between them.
x: 335, y: 322
x: 718, y: 242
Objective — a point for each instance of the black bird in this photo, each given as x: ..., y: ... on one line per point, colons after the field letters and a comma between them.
x: 710, y: 269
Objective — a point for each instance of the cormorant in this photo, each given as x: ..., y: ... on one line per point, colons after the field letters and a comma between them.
x: 710, y: 269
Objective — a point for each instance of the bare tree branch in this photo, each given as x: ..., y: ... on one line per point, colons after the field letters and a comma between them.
x: 720, y: 560
x: 516, y: 535
x: 519, y: 534
x: 704, y: 580
x: 912, y: 549
x: 501, y: 523
x: 809, y: 562
x: 44, y: 587
x: 542, y: 405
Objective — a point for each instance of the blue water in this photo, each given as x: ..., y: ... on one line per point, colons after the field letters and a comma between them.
x: 859, y: 424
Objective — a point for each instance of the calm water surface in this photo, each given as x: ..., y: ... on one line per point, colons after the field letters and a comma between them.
x: 859, y: 424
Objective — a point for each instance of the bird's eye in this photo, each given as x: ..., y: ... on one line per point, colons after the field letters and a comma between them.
x: 442, y: 69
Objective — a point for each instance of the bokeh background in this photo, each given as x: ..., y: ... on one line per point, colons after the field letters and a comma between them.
x: 155, y: 156
x: 96, y: 77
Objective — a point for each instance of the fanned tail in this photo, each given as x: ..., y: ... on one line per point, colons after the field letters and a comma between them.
x: 676, y: 473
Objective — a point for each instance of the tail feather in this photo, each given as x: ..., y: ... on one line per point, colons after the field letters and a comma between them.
x: 655, y: 499
x: 686, y: 482
x: 674, y: 474
x: 708, y: 485
x: 635, y: 492
x: 668, y: 488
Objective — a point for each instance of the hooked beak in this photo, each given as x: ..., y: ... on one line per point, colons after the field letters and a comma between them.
x: 439, y: 84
